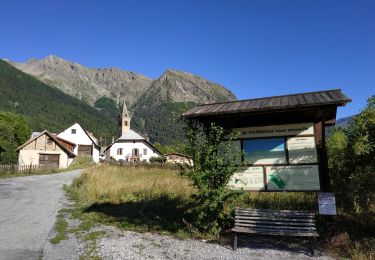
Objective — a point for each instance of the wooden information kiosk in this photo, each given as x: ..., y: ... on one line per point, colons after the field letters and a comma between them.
x: 282, y: 138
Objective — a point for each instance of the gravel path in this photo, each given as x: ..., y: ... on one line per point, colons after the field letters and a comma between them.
x: 28, y: 212
x: 131, y: 245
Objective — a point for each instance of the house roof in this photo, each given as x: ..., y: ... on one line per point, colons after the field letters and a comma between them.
x: 179, y: 154
x: 64, y: 140
x: 131, y: 136
x: 54, y: 138
x: 293, y: 101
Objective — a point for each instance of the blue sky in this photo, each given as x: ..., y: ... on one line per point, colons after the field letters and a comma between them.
x: 254, y: 48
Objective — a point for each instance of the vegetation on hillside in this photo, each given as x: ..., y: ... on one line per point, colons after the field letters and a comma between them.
x: 108, y: 107
x: 45, y: 107
x: 161, y: 121
x: 14, y: 131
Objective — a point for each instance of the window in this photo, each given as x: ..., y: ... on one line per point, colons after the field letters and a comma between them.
x: 74, y: 131
x: 49, y: 141
x: 144, y: 151
x: 135, y: 152
x: 126, y: 123
x: 119, y: 151
x: 264, y: 151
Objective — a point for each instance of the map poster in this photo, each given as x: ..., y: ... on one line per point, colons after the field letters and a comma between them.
x: 250, y: 178
x: 289, y: 178
x: 302, y: 150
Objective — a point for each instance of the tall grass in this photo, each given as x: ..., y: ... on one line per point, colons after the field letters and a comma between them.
x: 111, y: 184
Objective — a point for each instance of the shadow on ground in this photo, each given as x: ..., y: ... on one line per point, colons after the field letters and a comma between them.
x: 174, y: 214
x: 156, y: 214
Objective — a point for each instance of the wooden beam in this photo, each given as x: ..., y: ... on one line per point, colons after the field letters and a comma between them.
x: 319, y: 126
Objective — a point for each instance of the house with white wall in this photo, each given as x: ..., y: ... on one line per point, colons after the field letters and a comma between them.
x: 86, y: 143
x: 130, y: 146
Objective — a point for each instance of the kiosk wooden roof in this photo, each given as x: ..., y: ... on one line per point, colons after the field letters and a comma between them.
x: 295, y: 107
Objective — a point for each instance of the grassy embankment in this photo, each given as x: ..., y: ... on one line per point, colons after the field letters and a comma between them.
x: 78, y: 163
x: 159, y: 200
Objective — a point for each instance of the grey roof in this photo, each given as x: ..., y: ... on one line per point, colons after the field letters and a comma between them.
x: 302, y: 100
x: 35, y: 134
x: 131, y: 135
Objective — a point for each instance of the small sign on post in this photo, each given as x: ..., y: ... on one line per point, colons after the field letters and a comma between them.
x: 327, y: 203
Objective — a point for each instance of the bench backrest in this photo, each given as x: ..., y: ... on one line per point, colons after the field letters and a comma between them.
x: 298, y: 222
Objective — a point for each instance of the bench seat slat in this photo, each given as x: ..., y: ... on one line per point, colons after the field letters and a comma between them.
x: 275, y: 232
x: 241, y: 212
x: 296, y: 212
x: 278, y: 227
x: 261, y: 222
x: 311, y: 220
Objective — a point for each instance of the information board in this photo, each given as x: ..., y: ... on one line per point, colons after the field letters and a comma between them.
x: 288, y: 178
x: 327, y: 203
x: 275, y: 130
x: 250, y: 178
x: 302, y: 150
x: 264, y: 151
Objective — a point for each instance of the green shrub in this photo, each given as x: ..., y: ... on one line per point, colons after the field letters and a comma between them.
x: 214, y: 164
x: 155, y: 159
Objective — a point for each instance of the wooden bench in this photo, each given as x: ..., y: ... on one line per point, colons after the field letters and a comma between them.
x: 274, y: 222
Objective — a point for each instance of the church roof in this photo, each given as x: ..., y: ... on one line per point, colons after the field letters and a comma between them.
x: 131, y: 135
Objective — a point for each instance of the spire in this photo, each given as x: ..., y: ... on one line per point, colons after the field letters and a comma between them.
x: 124, y: 120
x: 124, y: 110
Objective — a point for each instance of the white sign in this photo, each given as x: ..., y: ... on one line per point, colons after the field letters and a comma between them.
x: 250, y: 178
x: 302, y: 150
x: 327, y: 203
x: 301, y: 177
x: 275, y: 130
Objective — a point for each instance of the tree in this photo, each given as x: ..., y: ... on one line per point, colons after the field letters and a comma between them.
x: 351, y: 160
x: 214, y: 164
x: 14, y: 131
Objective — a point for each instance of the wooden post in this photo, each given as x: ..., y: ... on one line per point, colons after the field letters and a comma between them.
x: 325, y: 184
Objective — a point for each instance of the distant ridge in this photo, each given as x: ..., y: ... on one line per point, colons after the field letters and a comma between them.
x: 155, y: 104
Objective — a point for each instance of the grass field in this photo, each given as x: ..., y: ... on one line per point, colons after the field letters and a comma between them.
x: 159, y: 200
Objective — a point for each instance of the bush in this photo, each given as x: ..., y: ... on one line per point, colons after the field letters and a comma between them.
x: 214, y: 164
x: 155, y: 159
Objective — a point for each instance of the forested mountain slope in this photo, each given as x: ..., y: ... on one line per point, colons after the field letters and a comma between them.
x: 46, y: 107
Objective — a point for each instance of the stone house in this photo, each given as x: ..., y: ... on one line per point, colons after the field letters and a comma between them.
x: 46, y: 149
x: 178, y: 158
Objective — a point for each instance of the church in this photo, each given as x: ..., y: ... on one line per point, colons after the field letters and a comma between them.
x: 130, y: 146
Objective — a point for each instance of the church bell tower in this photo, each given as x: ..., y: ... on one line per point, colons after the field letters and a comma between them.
x: 124, y: 120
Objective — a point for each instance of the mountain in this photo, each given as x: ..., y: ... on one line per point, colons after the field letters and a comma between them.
x: 155, y: 104
x: 46, y: 107
x: 84, y: 83
x: 344, y: 122
x: 157, y: 112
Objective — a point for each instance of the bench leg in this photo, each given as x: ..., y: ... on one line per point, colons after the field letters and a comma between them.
x: 313, y: 246
x: 235, y: 240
